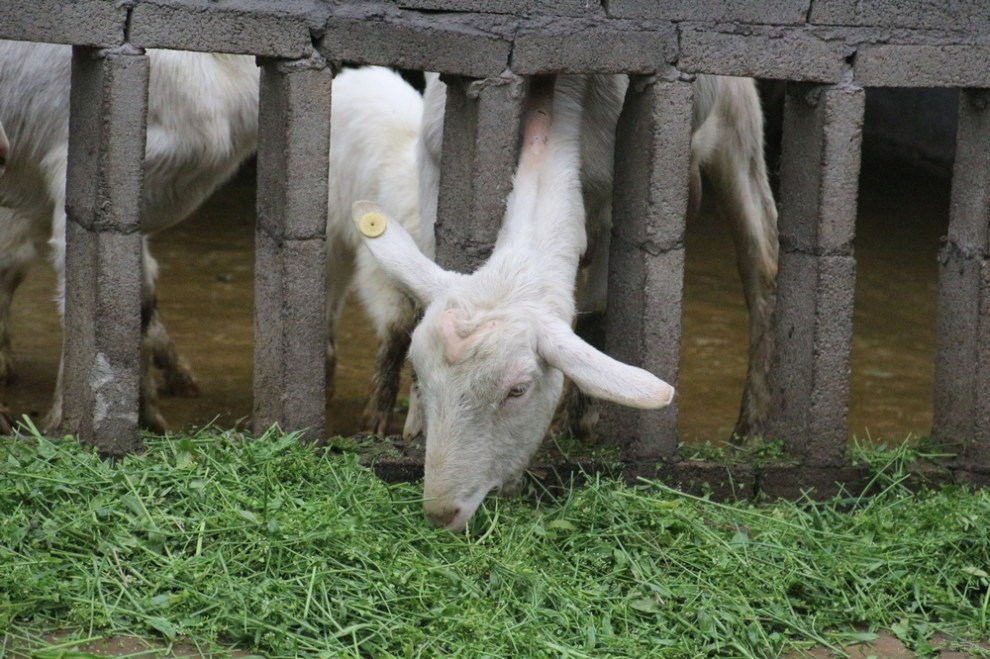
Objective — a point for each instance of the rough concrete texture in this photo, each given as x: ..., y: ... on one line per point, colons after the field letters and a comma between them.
x: 962, y: 329
x: 892, y: 65
x: 290, y: 335
x: 103, y: 249
x: 108, y: 101
x: 290, y: 267
x: 82, y: 22
x: 513, y: 7
x: 784, y: 12
x: 481, y: 137
x: 293, y: 148
x: 646, y: 258
x: 962, y: 366
x: 643, y: 328
x: 902, y: 13
x: 102, y: 340
x: 562, y: 46
x: 271, y: 27
x: 820, y: 168
x: 809, y: 376
x: 969, y: 226
x: 765, y: 52
x: 472, y: 46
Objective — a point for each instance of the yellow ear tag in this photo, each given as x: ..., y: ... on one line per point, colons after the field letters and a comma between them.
x: 372, y: 224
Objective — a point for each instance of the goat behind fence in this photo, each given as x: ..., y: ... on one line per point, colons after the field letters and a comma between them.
x: 828, y: 51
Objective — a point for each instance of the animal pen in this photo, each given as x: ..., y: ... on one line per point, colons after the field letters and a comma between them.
x: 828, y: 51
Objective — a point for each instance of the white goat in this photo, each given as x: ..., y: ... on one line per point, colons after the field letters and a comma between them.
x: 202, y: 123
x: 374, y: 138
x: 491, y: 347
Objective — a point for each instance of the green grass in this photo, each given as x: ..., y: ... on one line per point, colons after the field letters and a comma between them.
x: 267, y: 546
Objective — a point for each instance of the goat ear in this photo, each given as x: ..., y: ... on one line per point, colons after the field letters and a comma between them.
x: 597, y: 374
x: 398, y: 255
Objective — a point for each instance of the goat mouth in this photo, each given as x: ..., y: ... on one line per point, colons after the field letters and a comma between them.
x: 468, y: 506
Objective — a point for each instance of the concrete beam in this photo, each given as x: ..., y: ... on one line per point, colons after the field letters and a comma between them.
x: 267, y: 28
x: 291, y: 268
x: 103, y: 273
x: 82, y: 22
x: 809, y: 376
x: 480, y: 146
x: 646, y: 256
x: 962, y: 344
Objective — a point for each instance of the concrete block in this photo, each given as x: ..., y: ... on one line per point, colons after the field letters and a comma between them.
x: 809, y: 375
x: 290, y: 335
x: 103, y: 276
x: 962, y: 330
x: 819, y: 171
x: 974, y: 477
x: 80, y: 22
x: 795, y: 482
x: 269, y: 28
x: 108, y: 105
x: 643, y: 328
x: 512, y: 7
x: 480, y: 146
x: 293, y: 148
x: 561, y: 46
x: 102, y: 344
x: 720, y: 482
x: 646, y: 256
x: 906, y: 65
x: 652, y: 164
x: 778, y: 12
x: 474, y: 46
x: 763, y: 52
x: 291, y: 266
x: 959, y: 14
x: 969, y: 228
x: 962, y: 355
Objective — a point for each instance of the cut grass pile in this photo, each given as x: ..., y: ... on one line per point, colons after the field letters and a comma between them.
x: 268, y: 546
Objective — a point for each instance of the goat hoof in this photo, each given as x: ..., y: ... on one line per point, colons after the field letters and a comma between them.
x: 152, y: 421
x: 8, y: 369
x: 180, y: 385
x: 6, y: 420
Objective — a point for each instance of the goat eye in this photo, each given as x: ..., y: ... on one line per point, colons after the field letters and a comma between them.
x: 518, y: 390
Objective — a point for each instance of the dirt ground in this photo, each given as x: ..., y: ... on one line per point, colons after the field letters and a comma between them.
x: 886, y: 646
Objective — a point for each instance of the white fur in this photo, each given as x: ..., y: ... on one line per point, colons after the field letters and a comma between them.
x: 492, y: 347
x: 202, y: 123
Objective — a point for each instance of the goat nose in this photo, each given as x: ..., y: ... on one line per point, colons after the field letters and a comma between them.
x: 442, y: 516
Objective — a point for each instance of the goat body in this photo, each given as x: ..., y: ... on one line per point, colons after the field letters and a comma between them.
x: 202, y: 123
x: 492, y: 347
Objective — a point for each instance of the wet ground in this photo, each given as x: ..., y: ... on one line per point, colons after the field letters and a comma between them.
x: 206, y: 294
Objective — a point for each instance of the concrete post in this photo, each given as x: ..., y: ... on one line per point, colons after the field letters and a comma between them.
x: 962, y: 365
x: 102, y: 337
x: 809, y: 378
x: 646, y: 256
x: 290, y: 322
x: 481, y: 139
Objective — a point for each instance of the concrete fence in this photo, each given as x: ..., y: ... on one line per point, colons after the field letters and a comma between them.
x: 829, y: 50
